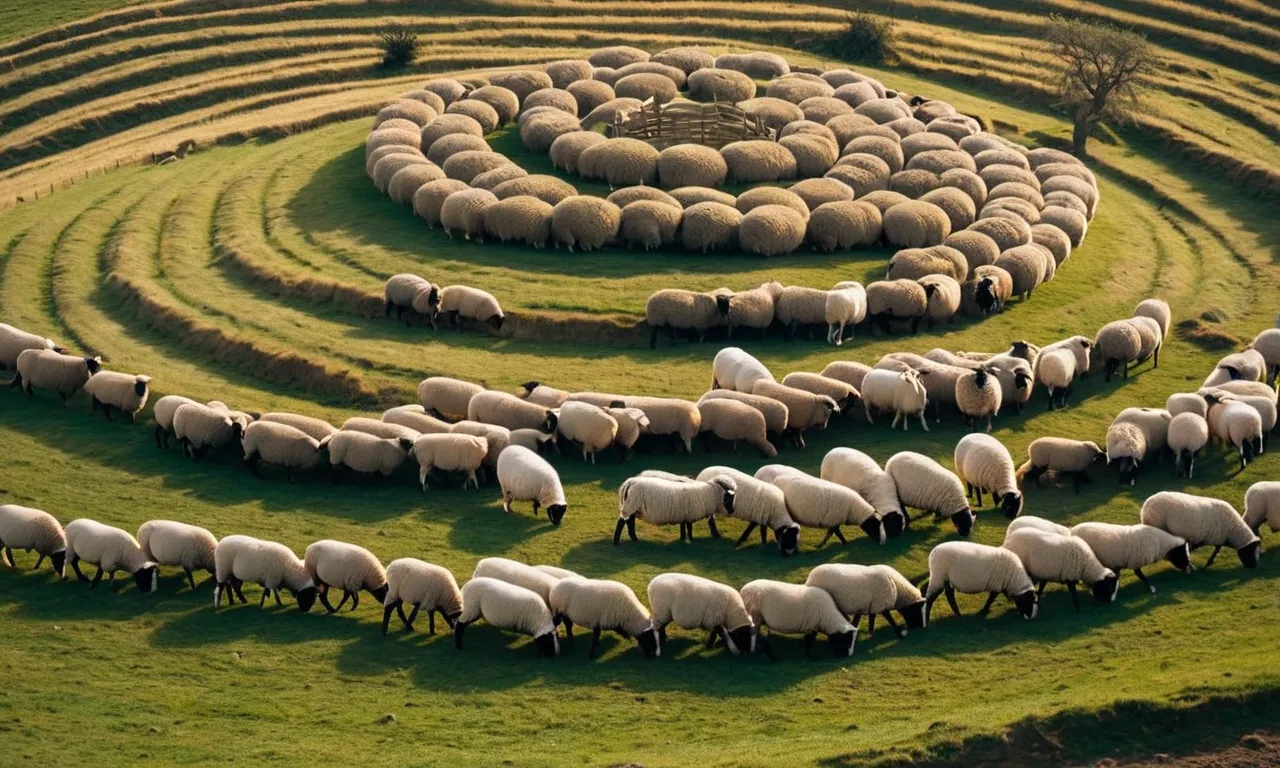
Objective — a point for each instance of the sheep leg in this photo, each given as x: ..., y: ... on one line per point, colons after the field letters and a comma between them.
x: 897, y: 416
x: 825, y: 538
x: 237, y: 586
x: 968, y: 491
x: 190, y: 578
x: 923, y: 424
x: 97, y: 577
x: 595, y: 643
x: 711, y: 523
x: 355, y: 600
x: 324, y: 598
x: 156, y: 433
x: 750, y: 527
x: 1143, y: 578
x: 836, y: 530
x: 978, y: 490
x: 871, y: 624
x: 617, y: 532
x: 36, y: 567
x: 766, y: 646
x: 631, y: 528
x: 899, y: 631
x: 458, y: 629
x: 712, y: 637
x: 345, y: 597
x: 809, y: 637
x: 276, y: 594
x: 764, y: 535
x: 262, y: 602
x: 106, y: 410
x: 6, y: 555
x: 1075, y: 599
x: 1040, y: 588
x: 506, y: 502
x: 1213, y: 556
x: 251, y: 463
x: 386, y: 615
x: 991, y: 599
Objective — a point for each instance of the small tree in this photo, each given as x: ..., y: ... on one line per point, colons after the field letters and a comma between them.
x: 399, y: 46
x: 1101, y: 78
x: 867, y: 38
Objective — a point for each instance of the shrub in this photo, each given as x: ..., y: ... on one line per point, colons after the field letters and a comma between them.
x: 399, y: 46
x: 867, y: 38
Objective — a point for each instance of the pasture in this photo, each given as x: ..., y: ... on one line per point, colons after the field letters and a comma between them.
x: 195, y: 273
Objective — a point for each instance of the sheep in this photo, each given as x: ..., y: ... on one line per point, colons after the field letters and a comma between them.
x: 347, y: 566
x: 200, y: 427
x: 541, y: 394
x: 754, y: 161
x: 897, y: 300
x: 1151, y: 339
x: 845, y: 395
x: 415, y: 417
x: 737, y: 370
x: 903, y: 392
x: 985, y: 464
x: 1261, y: 505
x: 279, y: 444
x: 799, y: 306
x: 805, y: 410
x: 189, y: 547
x: 1154, y: 423
x: 733, y: 421
x: 844, y: 224
x: 1056, y: 370
x: 848, y: 371
x: 585, y: 221
x: 162, y: 412
x: 846, y: 306
x: 1062, y: 456
x: 317, y: 429
x: 464, y: 210
x: 47, y: 369
x: 915, y: 263
x: 588, y: 424
x: 1237, y: 424
x: 916, y: 224
x: 860, y: 473
x: 112, y: 550
x: 817, y: 503
x: 771, y: 230
x: 450, y: 453
x: 1134, y: 546
x: 753, y: 308
x: 448, y: 90
x: 421, y: 585
x: 775, y: 413
x: 14, y: 341
x: 380, y: 428
x: 519, y: 218
x: 1188, y: 435
x: 797, y: 609
x: 273, y: 566
x: 1202, y: 520
x: 978, y: 394
x: 409, y: 292
x: 987, y: 291
x: 662, y: 501
x: 1118, y: 343
x: 761, y: 504
x: 1049, y: 556
x: 507, y: 606
x: 668, y: 416
x: 601, y: 604
x: 1267, y: 344
x: 428, y: 201
x: 1246, y: 389
x: 974, y: 568
x: 447, y: 398
x: 692, y: 602
x: 1080, y: 347
x: 32, y: 529
x: 507, y: 410
x: 926, y: 485
x: 1026, y: 265
x: 871, y: 590
x: 514, y: 572
x: 526, y: 476
x: 673, y: 309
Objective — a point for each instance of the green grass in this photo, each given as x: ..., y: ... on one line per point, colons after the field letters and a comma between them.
x: 22, y: 19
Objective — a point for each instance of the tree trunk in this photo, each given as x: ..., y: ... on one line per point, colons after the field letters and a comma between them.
x: 1080, y: 136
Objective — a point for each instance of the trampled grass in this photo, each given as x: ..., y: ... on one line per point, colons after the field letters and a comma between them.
x: 191, y: 273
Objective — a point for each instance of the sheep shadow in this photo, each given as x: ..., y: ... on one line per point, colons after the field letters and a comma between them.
x: 41, y: 595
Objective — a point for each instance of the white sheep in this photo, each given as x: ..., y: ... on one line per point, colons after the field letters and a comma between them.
x: 797, y: 609
x: 737, y: 370
x: 1153, y: 423
x: 540, y: 394
x: 733, y: 421
x: 972, y: 568
x: 112, y: 550
x: 506, y: 606
x: 983, y: 463
x: 588, y: 424
x: 762, y: 505
x: 1049, y: 556
x: 47, y: 369
x: 1039, y: 523
x: 270, y: 565
x: 817, y: 503
x: 775, y: 413
x: 449, y: 453
x: 692, y: 602
x: 632, y: 422
x: 189, y: 547
x: 558, y: 572
x: 860, y: 473
x: 668, y: 416
x: 666, y: 499
x: 845, y: 395
x: 526, y: 476
x: 447, y: 398
x: 1248, y: 365
x: 32, y: 530
x: 279, y: 444
x: 1062, y: 456
x: 1267, y: 344
x: 421, y: 585
x: 1236, y: 423
x: 386, y: 430
x: 1056, y: 371
x: 364, y: 453
x: 200, y: 428
x: 901, y: 392
x: 1186, y: 402
x: 805, y: 410
x: 162, y: 411
x: 1261, y: 505
x: 15, y: 341
x: 925, y: 484
x: 125, y: 392
x: 1080, y: 347
x: 1202, y: 520
x: 871, y: 590
x: 1134, y: 547
x: 601, y: 604
x: 348, y: 567
x: 507, y: 410
x: 1188, y: 435
x: 318, y: 429
x: 978, y: 394
x: 515, y: 572
x: 846, y: 307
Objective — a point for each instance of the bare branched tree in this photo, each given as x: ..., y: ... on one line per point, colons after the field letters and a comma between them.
x: 1102, y: 73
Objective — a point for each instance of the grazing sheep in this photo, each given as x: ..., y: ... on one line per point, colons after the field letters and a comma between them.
x: 915, y: 263
x: 985, y: 464
x: 449, y: 453
x: 526, y: 476
x: 668, y: 416
x: 753, y: 308
x: 649, y: 224
x: 1061, y: 456
x: 365, y: 453
x: 447, y: 398
x: 817, y: 503
x: 1186, y: 402
x: 273, y: 566
x: 507, y: 606
x: 1049, y: 556
x: 733, y: 421
x: 1135, y: 547
x: 975, y: 568
x: 1056, y: 370
x: 1247, y: 366
x: 846, y: 396
x: 188, y: 547
x: 662, y: 501
x: 1236, y: 423
x: 1117, y: 344
x: 32, y: 529
x: 540, y: 394
x: 279, y: 444
x: 848, y: 371
x: 916, y: 224
x: 844, y: 224
x: 903, y: 392
x: 897, y: 300
x: 421, y: 585
x: 201, y: 427
x: 754, y: 161
x: 588, y: 424
x: 805, y: 410
x: 1261, y: 505
x: 514, y: 572
x: 620, y: 163
x: 860, y: 473
x: 347, y: 566
x: 603, y: 605
x: 846, y: 306
x: 1026, y: 264
x: 125, y: 392
x: 717, y: 84
x: 797, y: 609
x: 673, y: 309
x: 47, y: 369
x: 925, y: 484
x: 162, y: 412
x: 631, y: 423
x: 692, y: 602
x: 771, y: 230
x: 461, y: 301
x: 979, y: 394
x: 735, y: 369
x: 1202, y: 520
x: 1267, y: 344
x: 415, y: 417
x: 761, y: 504
x: 496, y: 437
x: 871, y: 590
x: 507, y: 410
x: 14, y: 341
x: 1188, y: 435
x: 522, y: 218
x: 691, y: 165
x: 943, y: 294
x: 710, y: 226
x: 410, y: 292
x: 1150, y: 337
x: 112, y: 550
x: 775, y: 413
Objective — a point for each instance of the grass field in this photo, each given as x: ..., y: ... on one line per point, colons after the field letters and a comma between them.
x: 196, y: 273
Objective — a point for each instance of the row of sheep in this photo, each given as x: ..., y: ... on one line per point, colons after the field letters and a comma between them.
x: 537, y: 600
x: 419, y: 297
x: 1236, y: 406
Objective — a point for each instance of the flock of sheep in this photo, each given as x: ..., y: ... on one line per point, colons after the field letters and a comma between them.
x: 978, y: 218
x: 463, y: 428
